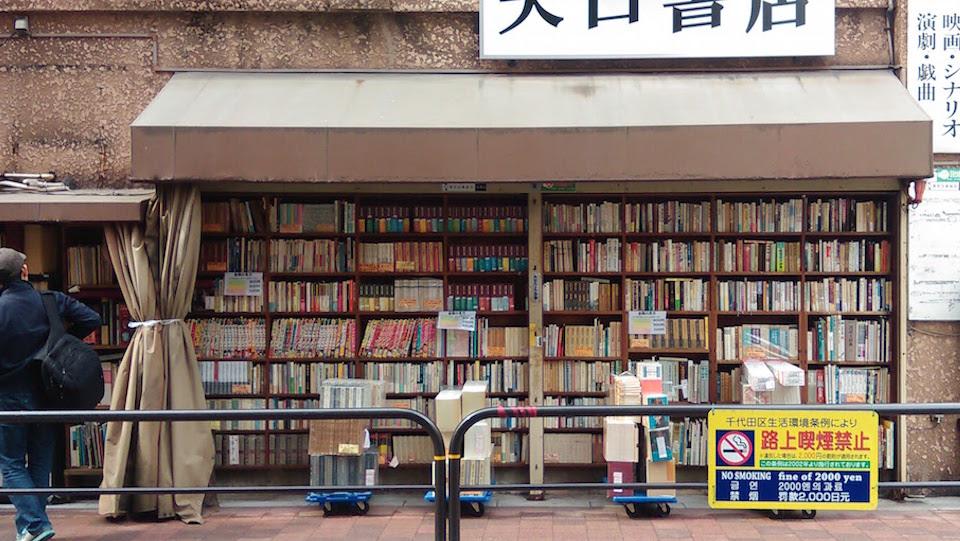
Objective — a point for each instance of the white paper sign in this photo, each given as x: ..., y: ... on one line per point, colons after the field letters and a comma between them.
x: 233, y: 450
x: 933, y: 67
x: 457, y: 321
x: 243, y: 284
x: 647, y: 322
x: 934, y: 250
x: 655, y: 28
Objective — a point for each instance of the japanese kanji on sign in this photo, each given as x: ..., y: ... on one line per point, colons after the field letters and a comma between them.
x: 655, y: 28
x: 933, y: 74
x: 763, y: 459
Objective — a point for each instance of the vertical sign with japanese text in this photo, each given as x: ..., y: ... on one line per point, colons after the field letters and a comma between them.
x: 554, y: 29
x: 933, y: 67
x: 785, y: 459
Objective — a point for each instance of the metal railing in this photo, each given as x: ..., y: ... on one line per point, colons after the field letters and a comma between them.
x: 439, y: 471
x: 679, y: 410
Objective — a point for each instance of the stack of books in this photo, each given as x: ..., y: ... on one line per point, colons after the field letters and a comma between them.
x: 668, y: 256
x: 597, y: 340
x: 229, y: 338
x: 585, y: 294
x: 323, y: 338
x: 314, y: 297
x: 401, y: 257
x: 336, y: 217
x: 392, y: 338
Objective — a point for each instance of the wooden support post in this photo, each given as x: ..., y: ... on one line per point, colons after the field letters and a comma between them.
x: 534, y: 293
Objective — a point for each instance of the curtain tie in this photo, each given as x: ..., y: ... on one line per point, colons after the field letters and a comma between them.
x: 152, y: 323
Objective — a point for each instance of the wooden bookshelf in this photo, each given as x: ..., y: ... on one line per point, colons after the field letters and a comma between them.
x: 104, y: 296
x: 447, y: 238
x: 802, y: 318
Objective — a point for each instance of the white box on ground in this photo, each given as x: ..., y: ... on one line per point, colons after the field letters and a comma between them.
x: 620, y: 439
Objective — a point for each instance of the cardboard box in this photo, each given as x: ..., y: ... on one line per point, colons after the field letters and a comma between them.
x: 448, y: 409
x: 661, y: 472
x: 342, y: 437
x: 620, y: 472
x: 473, y: 397
x: 620, y: 439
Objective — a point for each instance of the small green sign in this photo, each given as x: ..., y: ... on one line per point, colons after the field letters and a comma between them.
x: 947, y: 174
x: 569, y: 187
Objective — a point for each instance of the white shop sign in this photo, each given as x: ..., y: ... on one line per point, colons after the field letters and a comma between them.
x: 933, y: 67
x: 556, y: 29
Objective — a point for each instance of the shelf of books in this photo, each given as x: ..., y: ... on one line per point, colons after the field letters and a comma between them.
x: 806, y: 279
x: 294, y: 290
x: 86, y: 273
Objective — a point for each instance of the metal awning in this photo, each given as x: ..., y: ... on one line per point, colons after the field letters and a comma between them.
x: 405, y: 127
x: 75, y: 206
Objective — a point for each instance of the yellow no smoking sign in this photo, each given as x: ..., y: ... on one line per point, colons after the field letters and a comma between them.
x: 782, y: 459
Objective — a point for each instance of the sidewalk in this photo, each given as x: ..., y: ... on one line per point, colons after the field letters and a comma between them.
x: 514, y: 519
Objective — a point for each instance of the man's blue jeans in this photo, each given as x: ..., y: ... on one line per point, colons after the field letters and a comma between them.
x: 26, y: 457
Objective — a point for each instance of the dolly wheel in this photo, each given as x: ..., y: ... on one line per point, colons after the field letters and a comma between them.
x: 473, y: 509
x: 363, y: 508
x: 327, y: 509
x: 808, y: 514
x: 632, y: 510
x: 774, y: 514
x: 663, y: 510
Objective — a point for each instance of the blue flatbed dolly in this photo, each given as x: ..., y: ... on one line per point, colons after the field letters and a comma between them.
x: 472, y: 504
x: 632, y: 504
x: 342, y: 502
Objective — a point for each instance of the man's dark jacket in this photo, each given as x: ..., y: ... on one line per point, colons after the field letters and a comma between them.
x: 24, y: 328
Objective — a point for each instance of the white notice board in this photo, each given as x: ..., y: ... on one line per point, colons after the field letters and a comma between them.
x: 934, y: 250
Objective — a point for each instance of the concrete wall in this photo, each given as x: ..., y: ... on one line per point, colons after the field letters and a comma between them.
x: 66, y: 102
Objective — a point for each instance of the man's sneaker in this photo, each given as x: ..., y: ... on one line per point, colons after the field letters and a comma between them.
x: 42, y: 536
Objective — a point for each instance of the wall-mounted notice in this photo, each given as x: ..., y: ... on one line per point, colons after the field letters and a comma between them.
x: 934, y: 250
x: 641, y: 322
x: 457, y: 321
x: 243, y: 284
x: 933, y: 67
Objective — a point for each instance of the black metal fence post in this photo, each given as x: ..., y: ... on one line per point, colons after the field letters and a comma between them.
x: 439, y: 485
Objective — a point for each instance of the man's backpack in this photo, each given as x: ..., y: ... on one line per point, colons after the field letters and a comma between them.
x: 70, y: 369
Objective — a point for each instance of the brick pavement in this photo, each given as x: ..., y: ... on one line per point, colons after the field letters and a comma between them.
x: 392, y: 523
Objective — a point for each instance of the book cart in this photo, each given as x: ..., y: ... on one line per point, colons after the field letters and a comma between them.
x: 472, y: 503
x: 336, y: 503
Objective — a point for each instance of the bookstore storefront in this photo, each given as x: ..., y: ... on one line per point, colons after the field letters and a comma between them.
x: 746, y: 208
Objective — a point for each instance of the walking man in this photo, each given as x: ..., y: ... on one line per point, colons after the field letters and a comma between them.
x: 26, y: 450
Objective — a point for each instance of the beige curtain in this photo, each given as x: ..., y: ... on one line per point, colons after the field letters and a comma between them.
x: 156, y: 265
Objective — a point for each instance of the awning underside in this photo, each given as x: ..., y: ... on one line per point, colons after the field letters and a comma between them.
x: 75, y: 206
x: 419, y: 127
